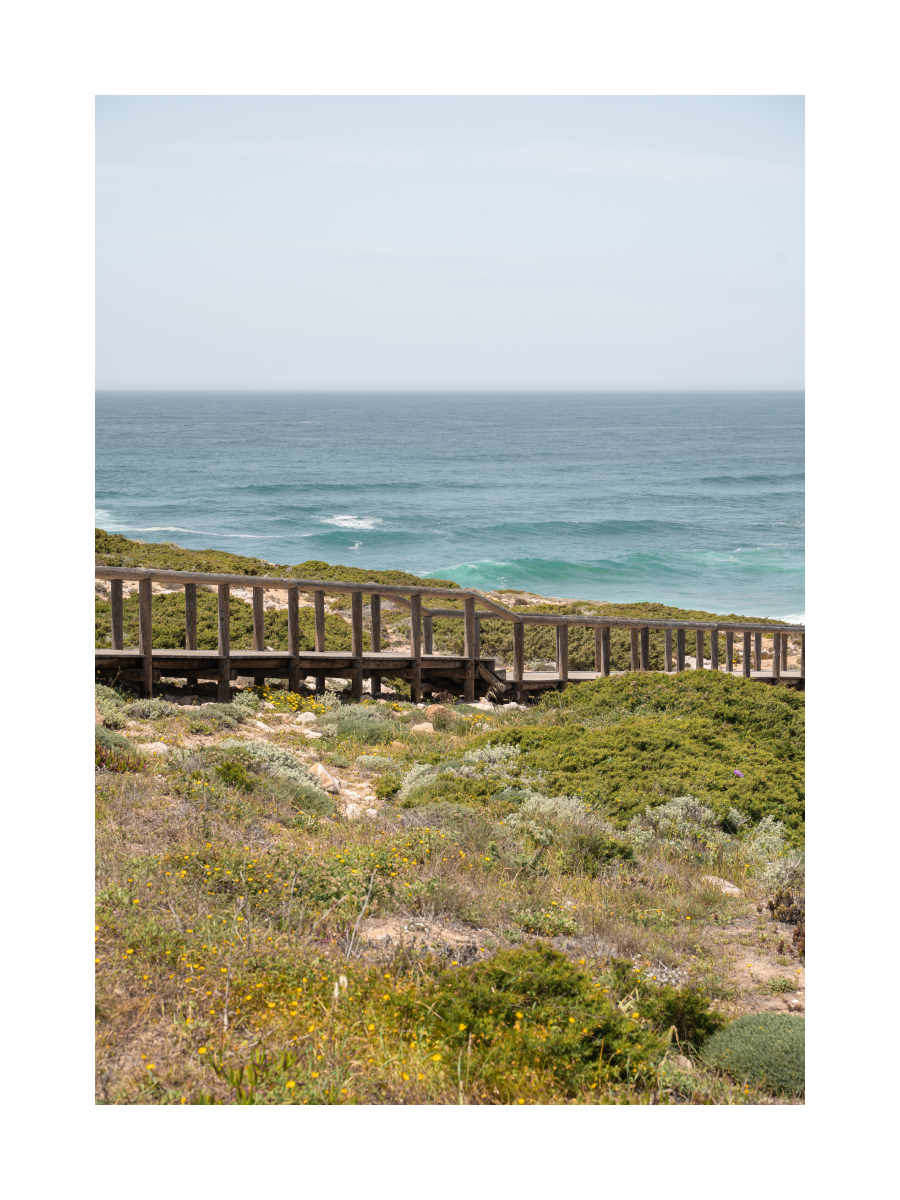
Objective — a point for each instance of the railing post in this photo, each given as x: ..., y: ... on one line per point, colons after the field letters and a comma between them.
x: 645, y: 648
x: 668, y: 637
x: 757, y: 652
x: 747, y: 655
x: 784, y: 651
x: 679, y: 650
x: 428, y: 634
x: 776, y: 655
x: 519, y: 659
x: 729, y: 651
x: 415, y: 647
x: 259, y: 637
x: 319, y: 607
x: 117, y: 614
x: 470, y: 651
x: 562, y: 652
x: 477, y: 638
x: 698, y: 665
x: 714, y: 650
x: 802, y: 655
x: 145, y: 633
x: 375, y: 610
x: 190, y: 616
x: 224, y: 643
x: 356, y: 643
x: 293, y: 605
x: 635, y: 658
x: 598, y: 649
x: 605, y: 648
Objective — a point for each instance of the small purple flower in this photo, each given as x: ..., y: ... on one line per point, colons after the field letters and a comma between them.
x: 740, y: 774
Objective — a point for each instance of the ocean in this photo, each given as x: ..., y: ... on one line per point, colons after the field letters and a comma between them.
x: 687, y: 499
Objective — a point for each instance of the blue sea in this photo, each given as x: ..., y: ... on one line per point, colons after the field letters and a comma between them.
x: 688, y: 499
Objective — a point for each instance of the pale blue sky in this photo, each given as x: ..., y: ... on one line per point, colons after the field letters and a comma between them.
x: 450, y: 242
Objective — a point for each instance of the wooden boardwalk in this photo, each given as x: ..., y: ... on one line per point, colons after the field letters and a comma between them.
x: 468, y: 675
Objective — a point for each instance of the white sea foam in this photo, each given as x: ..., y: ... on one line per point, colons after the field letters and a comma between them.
x: 346, y: 521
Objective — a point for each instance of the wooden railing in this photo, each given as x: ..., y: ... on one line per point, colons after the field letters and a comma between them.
x: 422, y: 627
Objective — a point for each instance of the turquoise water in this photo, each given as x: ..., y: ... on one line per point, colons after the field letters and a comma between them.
x: 690, y: 499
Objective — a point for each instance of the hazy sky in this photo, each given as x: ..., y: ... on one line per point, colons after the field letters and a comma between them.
x: 450, y: 242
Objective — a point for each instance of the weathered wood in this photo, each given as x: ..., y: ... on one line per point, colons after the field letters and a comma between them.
x: 635, y: 653
x: 190, y: 616
x: 802, y: 655
x: 679, y: 649
x: 776, y: 657
x: 375, y: 614
x: 117, y: 614
x: 259, y: 637
x: 397, y: 591
x: 606, y: 655
x: 319, y: 617
x: 145, y: 633
x: 477, y: 636
x: 714, y: 650
x: 562, y: 652
x: 757, y: 652
x: 415, y: 647
x: 469, y: 628
x: 784, y: 651
x: 748, y: 658
x: 645, y: 648
x: 499, y: 685
x: 519, y: 659
x: 224, y: 642
x: 356, y: 643
x: 293, y: 607
x: 668, y: 635
x: 729, y: 651
x: 698, y: 665
x: 428, y: 634
x: 598, y: 649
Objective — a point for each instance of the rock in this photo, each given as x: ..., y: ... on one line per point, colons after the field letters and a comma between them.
x: 399, y: 745
x: 722, y: 884
x: 305, y: 719
x: 422, y: 727
x: 309, y: 733
x: 98, y: 720
x: 327, y: 782
x: 153, y: 748
x: 261, y: 725
x: 433, y: 709
x: 682, y: 1062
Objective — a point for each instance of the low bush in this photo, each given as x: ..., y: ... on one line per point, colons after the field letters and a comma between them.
x: 764, y: 1048
x: 551, y: 921
x: 234, y: 774
x: 150, y: 710
x: 115, y: 753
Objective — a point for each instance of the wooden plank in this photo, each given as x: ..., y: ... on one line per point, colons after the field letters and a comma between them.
x: 375, y: 613
x: 428, y: 633
x: 802, y: 655
x: 605, y: 648
x: 145, y: 633
x: 259, y: 637
x: 562, y: 652
x: 415, y: 647
x: 776, y: 657
x: 356, y: 643
x: 319, y: 610
x: 499, y: 685
x: 519, y: 659
x: 757, y: 653
x: 293, y: 604
x: 469, y: 692
x: 477, y: 636
x: 635, y: 655
x: 679, y: 649
x: 668, y: 634
x: 714, y: 650
x: 698, y: 666
x: 117, y: 614
x: 784, y: 651
x: 190, y: 616
x: 729, y: 651
x: 224, y: 643
x: 598, y: 649
x: 645, y: 648
x: 748, y: 658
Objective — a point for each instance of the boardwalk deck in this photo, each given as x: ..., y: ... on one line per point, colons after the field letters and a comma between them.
x: 468, y: 675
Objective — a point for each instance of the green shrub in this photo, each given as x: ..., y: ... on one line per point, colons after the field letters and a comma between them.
x: 780, y: 984
x: 551, y: 921
x: 150, y: 710
x: 234, y: 774
x: 387, y: 787
x: 115, y: 753
x: 764, y: 1048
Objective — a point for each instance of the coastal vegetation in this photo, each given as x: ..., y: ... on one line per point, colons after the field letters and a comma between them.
x: 303, y: 900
